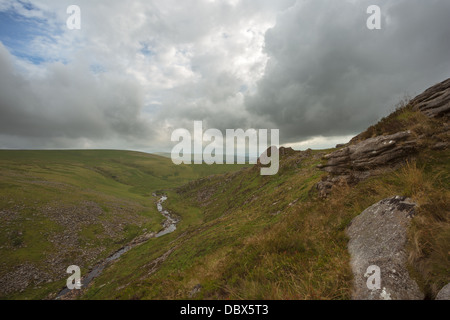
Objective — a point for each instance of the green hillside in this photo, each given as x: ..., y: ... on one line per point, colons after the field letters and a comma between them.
x: 59, y: 208
x: 247, y: 236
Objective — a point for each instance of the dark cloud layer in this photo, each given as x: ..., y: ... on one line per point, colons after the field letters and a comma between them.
x: 330, y: 75
x: 135, y: 72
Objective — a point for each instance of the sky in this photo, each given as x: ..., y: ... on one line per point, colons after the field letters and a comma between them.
x: 138, y: 70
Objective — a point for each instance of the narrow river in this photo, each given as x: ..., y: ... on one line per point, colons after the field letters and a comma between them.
x: 169, y: 225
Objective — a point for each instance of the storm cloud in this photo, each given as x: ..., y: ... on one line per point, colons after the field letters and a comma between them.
x: 329, y: 75
x: 138, y: 70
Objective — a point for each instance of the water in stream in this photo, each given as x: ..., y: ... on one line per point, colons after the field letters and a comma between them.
x: 170, y: 225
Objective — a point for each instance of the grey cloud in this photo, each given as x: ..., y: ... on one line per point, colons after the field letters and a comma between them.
x: 329, y: 75
x: 69, y: 102
x: 167, y: 63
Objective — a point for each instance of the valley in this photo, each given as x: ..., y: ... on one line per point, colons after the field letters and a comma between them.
x: 61, y: 208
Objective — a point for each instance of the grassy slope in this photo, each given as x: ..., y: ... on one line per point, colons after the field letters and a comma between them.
x: 246, y: 236
x: 102, y: 198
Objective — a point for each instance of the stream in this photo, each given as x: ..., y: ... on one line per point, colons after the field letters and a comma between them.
x: 169, y: 225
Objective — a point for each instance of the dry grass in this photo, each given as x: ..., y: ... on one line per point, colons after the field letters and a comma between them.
x: 304, y: 255
x: 274, y: 238
x: 429, y: 251
x: 402, y: 119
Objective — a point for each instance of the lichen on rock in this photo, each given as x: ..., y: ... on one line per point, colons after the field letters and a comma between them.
x: 378, y: 239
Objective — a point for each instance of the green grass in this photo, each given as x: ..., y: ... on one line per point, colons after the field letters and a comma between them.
x: 95, y: 190
x: 221, y: 244
x: 245, y: 236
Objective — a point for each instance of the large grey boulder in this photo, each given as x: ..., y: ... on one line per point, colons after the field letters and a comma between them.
x: 378, y: 237
x: 444, y: 294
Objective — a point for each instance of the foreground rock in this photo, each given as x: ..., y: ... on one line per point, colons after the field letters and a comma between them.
x: 356, y: 162
x: 444, y: 294
x: 378, y: 237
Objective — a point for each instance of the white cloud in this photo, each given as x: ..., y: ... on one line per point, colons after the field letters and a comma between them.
x: 137, y: 70
x: 320, y: 142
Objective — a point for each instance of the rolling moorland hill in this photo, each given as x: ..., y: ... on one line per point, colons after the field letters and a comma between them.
x: 247, y: 236
x: 241, y: 235
x: 62, y: 208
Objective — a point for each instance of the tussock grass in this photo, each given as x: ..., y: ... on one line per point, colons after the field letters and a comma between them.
x: 429, y: 250
x: 401, y: 119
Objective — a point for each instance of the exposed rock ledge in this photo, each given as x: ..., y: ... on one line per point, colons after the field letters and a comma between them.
x: 356, y: 162
x: 378, y: 237
x: 435, y: 101
x: 359, y: 160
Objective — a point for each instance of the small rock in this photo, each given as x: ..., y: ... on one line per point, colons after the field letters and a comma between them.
x: 440, y: 146
x: 195, y: 290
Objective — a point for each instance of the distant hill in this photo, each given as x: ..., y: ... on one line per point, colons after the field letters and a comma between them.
x: 236, y: 157
x: 163, y: 154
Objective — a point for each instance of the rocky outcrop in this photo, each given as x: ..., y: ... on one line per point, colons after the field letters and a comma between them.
x: 435, y: 101
x: 283, y: 153
x: 370, y: 154
x: 358, y: 159
x: 378, y: 237
x: 356, y: 162
x: 444, y: 294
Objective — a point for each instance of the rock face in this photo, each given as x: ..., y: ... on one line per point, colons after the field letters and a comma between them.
x: 378, y: 237
x: 435, y: 101
x: 370, y: 154
x: 356, y: 162
x: 444, y: 294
